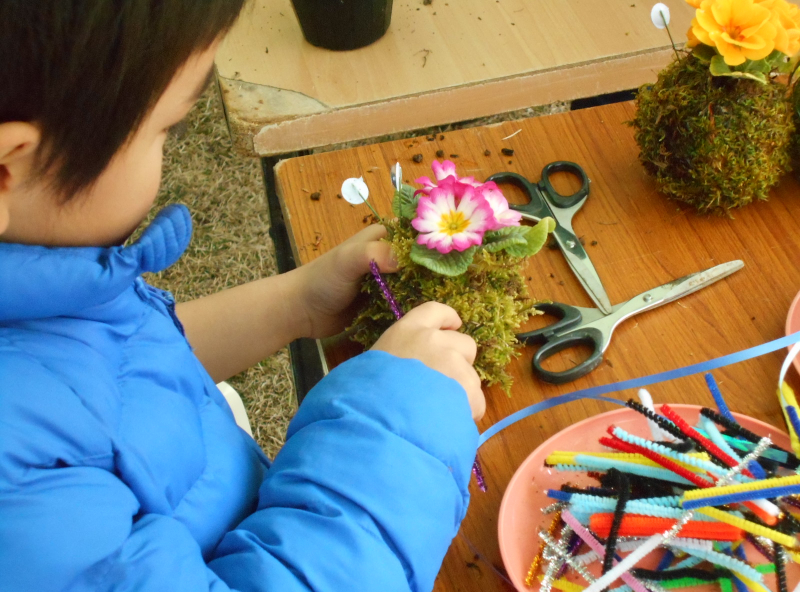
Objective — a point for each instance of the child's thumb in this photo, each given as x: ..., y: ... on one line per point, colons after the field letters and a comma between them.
x: 382, y: 254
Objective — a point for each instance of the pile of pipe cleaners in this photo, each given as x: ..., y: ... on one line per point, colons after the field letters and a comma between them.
x: 719, y: 503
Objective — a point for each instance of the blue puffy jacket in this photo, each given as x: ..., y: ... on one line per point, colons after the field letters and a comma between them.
x: 121, y: 467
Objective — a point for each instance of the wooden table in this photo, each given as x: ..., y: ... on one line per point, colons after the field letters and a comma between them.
x: 452, y: 60
x: 643, y: 241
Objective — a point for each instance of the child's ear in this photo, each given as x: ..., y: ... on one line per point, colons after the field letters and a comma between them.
x: 18, y: 144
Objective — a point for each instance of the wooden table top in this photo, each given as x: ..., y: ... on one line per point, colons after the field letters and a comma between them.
x: 643, y: 241
x: 452, y: 60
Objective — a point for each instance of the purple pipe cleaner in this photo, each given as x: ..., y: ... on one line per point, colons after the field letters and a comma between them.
x: 387, y: 293
x: 575, y: 543
x: 478, y: 472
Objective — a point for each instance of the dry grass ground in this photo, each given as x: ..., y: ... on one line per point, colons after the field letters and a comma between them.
x: 230, y: 246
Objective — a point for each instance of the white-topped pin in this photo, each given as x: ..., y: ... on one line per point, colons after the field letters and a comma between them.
x: 355, y: 191
x: 660, y: 15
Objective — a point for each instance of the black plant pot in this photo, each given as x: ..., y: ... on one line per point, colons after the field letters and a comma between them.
x: 343, y: 24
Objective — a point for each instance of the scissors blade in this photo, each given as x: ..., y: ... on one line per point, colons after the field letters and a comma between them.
x: 526, y: 215
x: 582, y: 267
x: 669, y: 292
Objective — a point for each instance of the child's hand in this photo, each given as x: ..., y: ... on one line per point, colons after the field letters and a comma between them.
x: 329, y: 285
x: 428, y: 334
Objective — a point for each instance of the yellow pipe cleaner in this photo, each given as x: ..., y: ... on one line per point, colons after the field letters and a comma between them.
x: 741, y: 487
x: 752, y: 584
x: 564, y: 585
x: 751, y: 527
x: 786, y: 397
x: 568, y: 458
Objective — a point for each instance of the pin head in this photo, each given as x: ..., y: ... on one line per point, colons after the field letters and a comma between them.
x: 660, y: 15
x: 355, y: 191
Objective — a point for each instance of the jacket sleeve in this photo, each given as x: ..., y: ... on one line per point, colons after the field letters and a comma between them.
x: 366, y: 494
x: 369, y: 489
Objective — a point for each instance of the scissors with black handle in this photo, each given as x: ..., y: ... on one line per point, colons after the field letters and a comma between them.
x: 589, y: 326
x: 546, y: 201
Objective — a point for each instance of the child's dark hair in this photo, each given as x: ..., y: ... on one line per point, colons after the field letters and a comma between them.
x: 89, y: 71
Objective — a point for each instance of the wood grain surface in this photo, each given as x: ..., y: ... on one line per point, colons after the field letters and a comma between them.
x: 642, y: 241
x: 451, y: 60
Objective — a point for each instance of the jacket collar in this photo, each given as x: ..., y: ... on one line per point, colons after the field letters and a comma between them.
x: 40, y: 282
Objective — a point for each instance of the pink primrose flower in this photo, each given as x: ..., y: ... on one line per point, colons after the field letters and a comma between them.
x: 443, y: 172
x: 446, y: 223
x: 503, y: 215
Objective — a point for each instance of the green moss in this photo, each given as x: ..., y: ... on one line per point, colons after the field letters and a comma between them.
x: 491, y: 298
x: 716, y: 143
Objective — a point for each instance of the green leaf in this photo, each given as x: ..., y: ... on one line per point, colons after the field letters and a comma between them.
x: 449, y: 264
x: 535, y: 239
x: 704, y: 53
x: 404, y: 204
x: 764, y: 66
x: 497, y: 240
x: 775, y: 59
x: 720, y: 68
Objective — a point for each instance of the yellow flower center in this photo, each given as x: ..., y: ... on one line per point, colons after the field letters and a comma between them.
x: 735, y: 33
x: 452, y: 223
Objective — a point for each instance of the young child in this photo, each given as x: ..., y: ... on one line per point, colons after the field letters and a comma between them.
x: 121, y: 467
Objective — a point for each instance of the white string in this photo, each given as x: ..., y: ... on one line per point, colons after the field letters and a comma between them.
x: 659, y: 435
x: 785, y: 368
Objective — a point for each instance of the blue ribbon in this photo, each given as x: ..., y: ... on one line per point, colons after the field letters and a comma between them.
x: 596, y: 392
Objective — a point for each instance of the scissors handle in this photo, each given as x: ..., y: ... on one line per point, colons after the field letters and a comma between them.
x: 536, y: 206
x: 583, y: 336
x: 568, y: 317
x: 563, y: 166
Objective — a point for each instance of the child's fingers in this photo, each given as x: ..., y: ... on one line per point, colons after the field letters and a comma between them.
x: 373, y: 232
x: 463, y: 344
x: 363, y: 247
x: 434, y: 315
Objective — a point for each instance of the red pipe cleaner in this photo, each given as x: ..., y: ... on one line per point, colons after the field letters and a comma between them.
x: 700, y: 439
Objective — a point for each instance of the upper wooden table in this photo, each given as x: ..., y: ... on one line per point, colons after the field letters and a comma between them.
x: 452, y: 60
x: 643, y: 241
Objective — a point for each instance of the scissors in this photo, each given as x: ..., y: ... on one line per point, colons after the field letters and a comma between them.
x: 546, y: 201
x: 589, y: 326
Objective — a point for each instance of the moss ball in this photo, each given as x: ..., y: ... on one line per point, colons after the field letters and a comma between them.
x: 714, y: 142
x: 491, y: 298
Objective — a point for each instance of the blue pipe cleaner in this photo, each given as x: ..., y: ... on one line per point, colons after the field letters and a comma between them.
x: 740, y: 585
x: 722, y: 407
x: 666, y: 559
x: 793, y: 418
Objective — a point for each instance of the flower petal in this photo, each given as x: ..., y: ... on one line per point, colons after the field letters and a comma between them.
x: 443, y: 170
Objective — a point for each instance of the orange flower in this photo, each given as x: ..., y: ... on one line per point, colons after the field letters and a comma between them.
x: 739, y: 29
x: 786, y: 20
x: 694, y: 3
x: 691, y: 38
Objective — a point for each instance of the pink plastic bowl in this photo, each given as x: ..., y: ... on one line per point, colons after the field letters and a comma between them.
x: 520, y: 516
